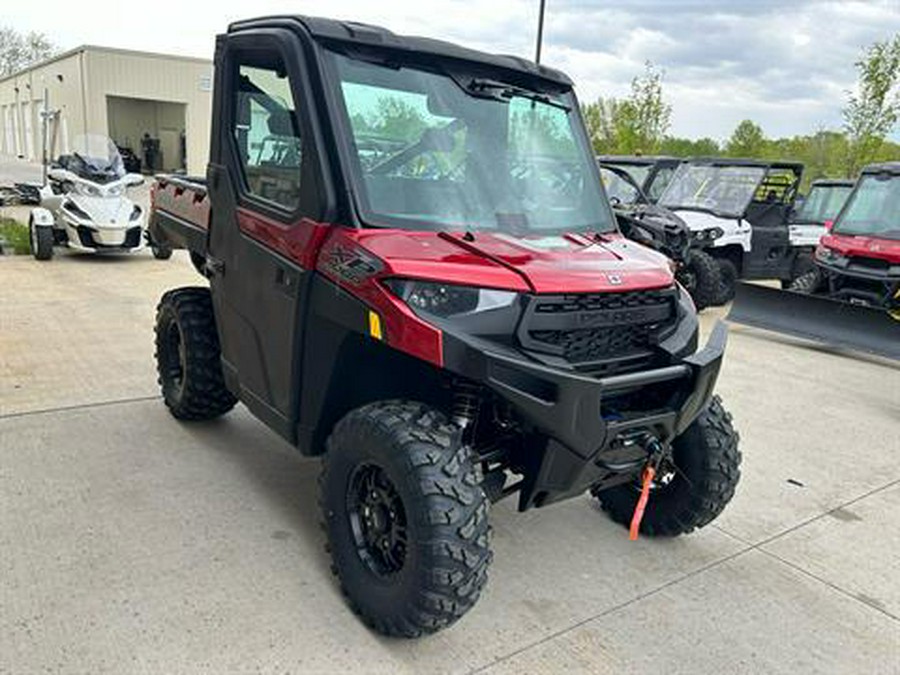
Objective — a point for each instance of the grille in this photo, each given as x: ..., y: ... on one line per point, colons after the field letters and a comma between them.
x: 613, y: 331
x: 86, y: 236
x: 588, y: 302
x: 595, y: 344
x: 870, y: 263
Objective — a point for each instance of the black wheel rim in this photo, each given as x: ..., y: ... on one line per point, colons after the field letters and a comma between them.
x: 173, y: 357
x: 377, y: 520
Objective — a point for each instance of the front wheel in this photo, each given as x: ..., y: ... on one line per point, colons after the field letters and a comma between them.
x: 41, y: 240
x: 188, y: 357
x: 406, y: 517
x: 693, y: 491
x: 811, y: 282
x: 728, y: 276
x: 700, y: 277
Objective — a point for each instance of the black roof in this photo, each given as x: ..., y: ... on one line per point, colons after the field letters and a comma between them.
x: 832, y: 182
x: 883, y: 167
x: 797, y: 167
x: 642, y: 160
x: 380, y: 38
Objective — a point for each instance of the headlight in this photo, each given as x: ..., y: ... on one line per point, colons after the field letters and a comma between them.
x: 86, y: 190
x: 446, y: 300
x: 828, y: 255
x: 709, y: 235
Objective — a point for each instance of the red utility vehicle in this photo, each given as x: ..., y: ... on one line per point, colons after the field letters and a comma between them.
x: 852, y: 297
x: 414, y: 272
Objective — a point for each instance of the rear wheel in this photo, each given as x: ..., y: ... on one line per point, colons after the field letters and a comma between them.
x: 728, y: 276
x: 406, y: 517
x: 188, y: 356
x: 700, y: 277
x: 706, y: 469
x: 41, y: 240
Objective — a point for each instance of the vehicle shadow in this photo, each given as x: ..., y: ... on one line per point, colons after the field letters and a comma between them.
x: 278, y: 472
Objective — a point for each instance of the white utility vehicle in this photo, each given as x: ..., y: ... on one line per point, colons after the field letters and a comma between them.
x: 741, y: 212
x: 84, y: 205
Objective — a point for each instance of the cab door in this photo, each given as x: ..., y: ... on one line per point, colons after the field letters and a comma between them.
x: 264, y: 181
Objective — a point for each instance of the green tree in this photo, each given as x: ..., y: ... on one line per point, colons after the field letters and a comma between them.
x: 747, y: 140
x: 601, y: 118
x: 685, y: 147
x: 20, y: 50
x: 636, y: 124
x: 872, y: 110
x: 646, y: 115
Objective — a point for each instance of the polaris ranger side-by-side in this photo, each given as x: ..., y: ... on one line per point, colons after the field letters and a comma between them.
x: 823, y: 202
x: 851, y: 298
x: 652, y: 172
x: 739, y: 211
x: 414, y: 272
x: 659, y: 228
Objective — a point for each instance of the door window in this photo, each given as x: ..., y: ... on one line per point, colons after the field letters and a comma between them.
x: 268, y: 134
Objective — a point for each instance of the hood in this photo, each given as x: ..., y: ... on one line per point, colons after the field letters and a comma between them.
x: 861, y: 246
x: 701, y: 220
x: 571, y: 263
x: 106, y: 212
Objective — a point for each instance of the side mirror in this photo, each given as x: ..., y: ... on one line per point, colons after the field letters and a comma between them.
x: 133, y: 179
x: 828, y: 225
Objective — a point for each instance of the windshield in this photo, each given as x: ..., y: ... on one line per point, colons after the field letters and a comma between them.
x: 95, y: 158
x: 637, y: 171
x: 874, y: 208
x: 430, y: 154
x: 823, y: 203
x: 725, y: 190
x: 618, y: 188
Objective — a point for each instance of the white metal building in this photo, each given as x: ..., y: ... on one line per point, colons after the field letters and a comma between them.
x: 114, y: 92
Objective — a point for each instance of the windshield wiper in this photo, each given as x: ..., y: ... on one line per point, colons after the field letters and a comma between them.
x: 501, y: 91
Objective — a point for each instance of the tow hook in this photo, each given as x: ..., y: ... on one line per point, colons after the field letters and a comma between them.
x: 657, y: 452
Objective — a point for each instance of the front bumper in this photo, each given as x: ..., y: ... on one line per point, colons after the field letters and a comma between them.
x: 589, y: 430
x: 95, y: 239
x: 861, y: 283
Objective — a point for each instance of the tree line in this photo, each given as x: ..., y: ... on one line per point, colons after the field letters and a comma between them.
x: 639, y: 123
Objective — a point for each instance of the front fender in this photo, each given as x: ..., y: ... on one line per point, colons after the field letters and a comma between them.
x: 42, y: 217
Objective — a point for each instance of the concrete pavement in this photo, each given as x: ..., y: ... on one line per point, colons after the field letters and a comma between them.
x: 131, y: 543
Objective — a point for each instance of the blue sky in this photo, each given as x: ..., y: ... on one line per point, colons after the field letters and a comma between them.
x: 786, y: 65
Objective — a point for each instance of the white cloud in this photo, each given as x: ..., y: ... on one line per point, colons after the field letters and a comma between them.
x: 785, y: 65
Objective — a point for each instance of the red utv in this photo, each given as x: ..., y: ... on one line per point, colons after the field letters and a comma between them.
x: 852, y: 297
x: 413, y: 272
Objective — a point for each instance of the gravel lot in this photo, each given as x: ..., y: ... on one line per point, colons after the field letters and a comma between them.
x: 131, y: 543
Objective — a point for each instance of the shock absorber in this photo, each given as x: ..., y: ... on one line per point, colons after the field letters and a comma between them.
x: 466, y: 400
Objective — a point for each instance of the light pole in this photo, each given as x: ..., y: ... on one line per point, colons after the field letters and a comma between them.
x: 540, y: 32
